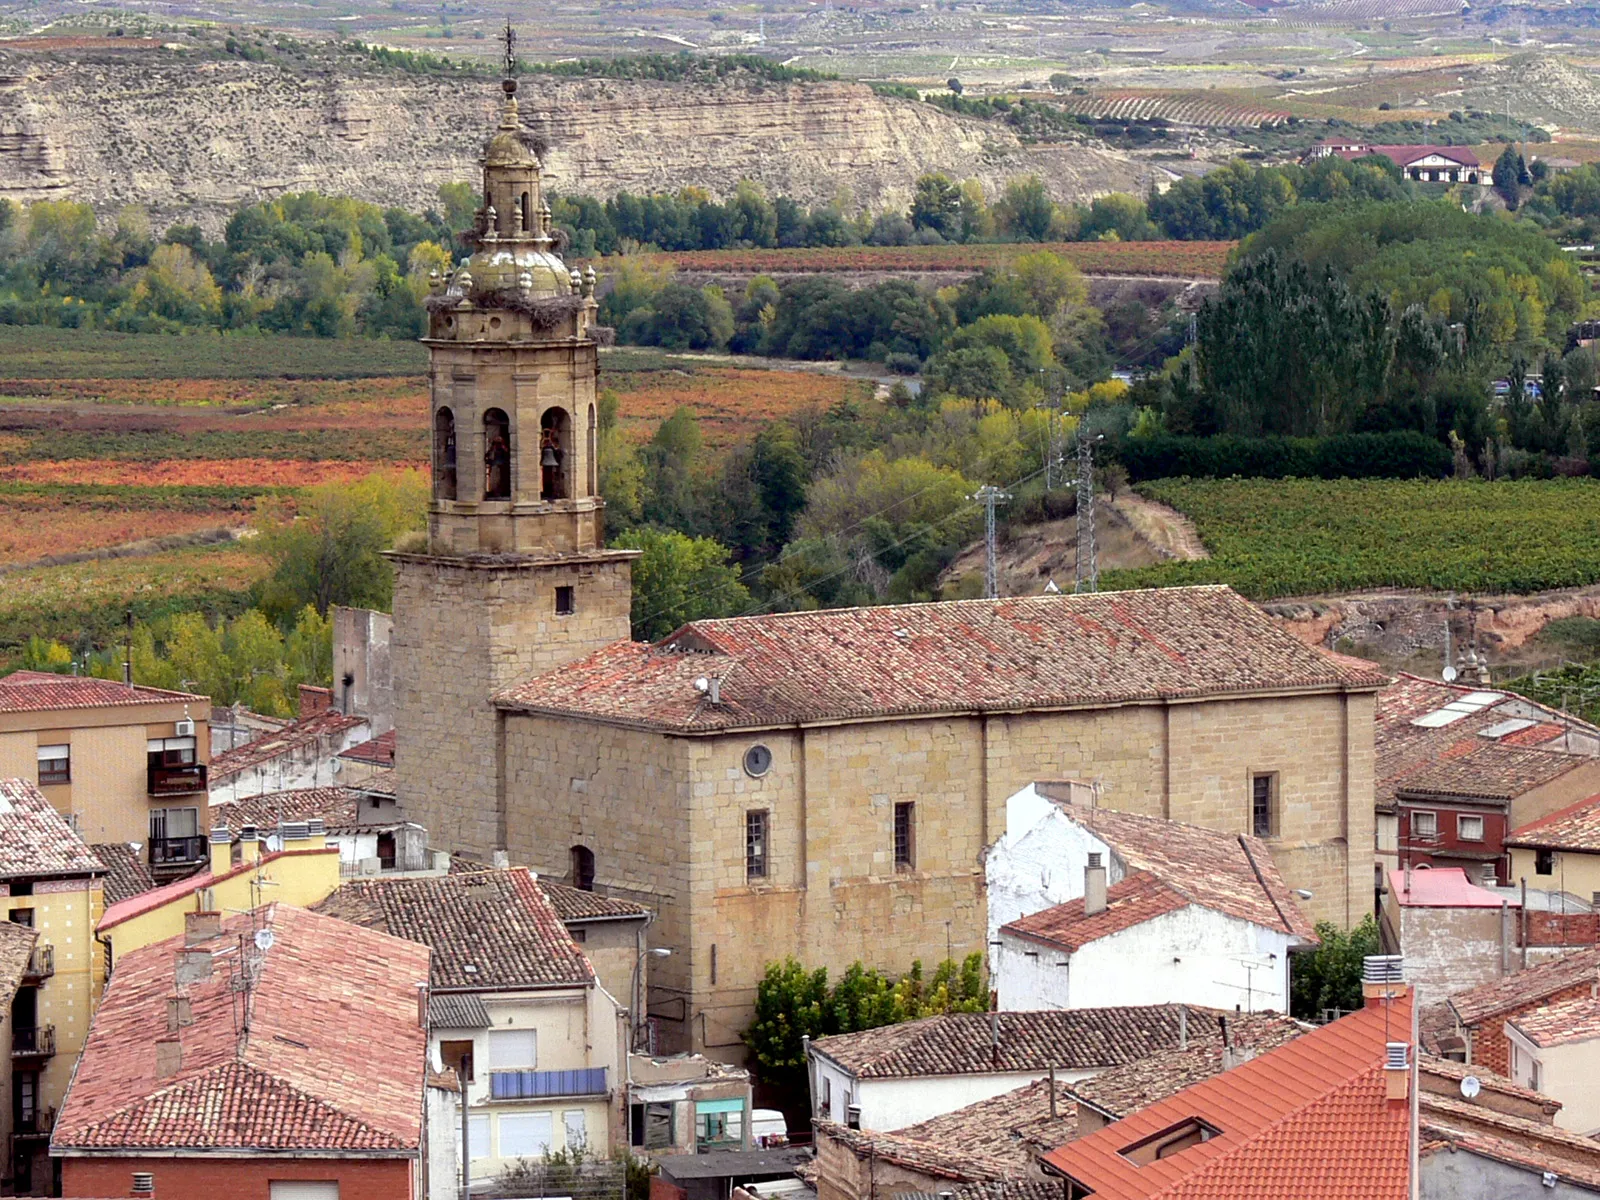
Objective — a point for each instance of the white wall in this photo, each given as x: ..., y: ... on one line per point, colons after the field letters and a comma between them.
x: 888, y: 1104
x: 444, y: 1145
x: 1194, y: 955
x: 1039, y: 862
x: 1569, y: 1072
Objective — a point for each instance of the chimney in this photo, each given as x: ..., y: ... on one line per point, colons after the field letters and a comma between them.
x: 193, y: 966
x: 1396, y: 1070
x: 221, y: 850
x: 422, y: 1004
x: 500, y: 860
x: 293, y: 831
x: 1094, y: 886
x: 316, y: 834
x: 169, y: 1057
x: 249, y: 844
x: 201, y: 926
x: 1183, y: 1027
x: 180, y: 1013
x: 1382, y: 978
x: 314, y: 700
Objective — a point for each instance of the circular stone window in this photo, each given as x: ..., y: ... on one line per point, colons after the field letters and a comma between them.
x: 757, y: 761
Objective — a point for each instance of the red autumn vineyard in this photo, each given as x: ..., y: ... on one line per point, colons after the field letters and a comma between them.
x: 1184, y: 260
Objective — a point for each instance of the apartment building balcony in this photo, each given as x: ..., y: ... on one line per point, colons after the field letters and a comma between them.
x: 33, y: 1043
x: 41, y: 965
x: 546, y: 1085
x: 177, y: 851
x: 176, y: 781
x: 34, y: 1125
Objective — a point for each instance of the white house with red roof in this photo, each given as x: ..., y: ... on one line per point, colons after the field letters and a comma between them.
x: 1420, y: 164
x: 1555, y: 1050
x: 1091, y: 907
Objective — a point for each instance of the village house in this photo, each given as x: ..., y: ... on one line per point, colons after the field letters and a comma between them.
x: 1459, y: 766
x: 515, y: 1010
x: 364, y: 825
x: 363, y: 673
x: 50, y: 882
x: 274, y: 1054
x: 611, y: 934
x: 1481, y: 1013
x: 1561, y: 850
x: 687, y: 1104
x: 1555, y: 1050
x: 1420, y: 164
x: 123, y: 763
x: 761, y: 782
x: 1453, y: 934
x: 369, y: 763
x: 1118, y: 908
x: 898, y: 1075
x: 305, y: 753
x: 1325, y: 1115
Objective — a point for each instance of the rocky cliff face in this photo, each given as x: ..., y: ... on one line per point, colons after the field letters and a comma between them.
x: 192, y: 137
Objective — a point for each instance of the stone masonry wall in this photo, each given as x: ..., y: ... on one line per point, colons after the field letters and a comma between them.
x: 462, y: 632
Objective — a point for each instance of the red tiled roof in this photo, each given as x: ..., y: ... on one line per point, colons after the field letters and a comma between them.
x: 487, y: 929
x: 964, y: 1043
x: 1307, y: 1121
x: 956, y: 656
x: 1403, y: 155
x: 143, y: 902
x: 41, y: 691
x: 1451, y: 1123
x: 1131, y: 901
x: 126, y: 874
x: 1228, y: 872
x: 1527, y: 987
x: 379, y: 750
x: 337, y: 806
x: 1440, y: 887
x: 957, y: 1162
x: 327, y: 723
x: 576, y: 904
x: 35, y: 839
x: 1576, y: 827
x: 302, y: 1076
x: 1575, y: 1020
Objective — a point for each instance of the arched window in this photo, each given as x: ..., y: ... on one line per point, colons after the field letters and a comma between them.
x: 593, y: 455
x: 583, y: 868
x: 524, y: 212
x: 444, y: 454
x: 496, y: 455
x: 555, y: 463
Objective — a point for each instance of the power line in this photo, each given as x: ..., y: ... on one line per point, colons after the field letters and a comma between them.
x: 990, y: 496
x: 1086, y: 567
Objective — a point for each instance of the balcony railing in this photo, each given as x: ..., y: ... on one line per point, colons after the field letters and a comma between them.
x: 170, y: 851
x: 39, y: 1123
x: 33, y: 1043
x: 541, y: 1085
x: 41, y: 965
x: 176, y: 781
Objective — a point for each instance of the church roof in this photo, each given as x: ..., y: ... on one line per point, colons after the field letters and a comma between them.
x: 1008, y: 655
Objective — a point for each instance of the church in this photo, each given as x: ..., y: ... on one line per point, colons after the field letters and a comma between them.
x: 816, y: 784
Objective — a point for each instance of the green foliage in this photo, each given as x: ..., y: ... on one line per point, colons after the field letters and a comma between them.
x: 1329, y: 977
x: 793, y: 1003
x: 1574, y: 688
x: 1300, y: 537
x: 681, y: 68
x: 678, y: 579
x: 1404, y: 455
x: 329, y: 549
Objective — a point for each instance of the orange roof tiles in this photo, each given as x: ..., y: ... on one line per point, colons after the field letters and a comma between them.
x: 379, y: 750
x: 285, y: 1064
x: 1575, y: 1020
x: 337, y: 807
x: 1004, y: 655
x: 1526, y: 987
x: 41, y: 691
x: 307, y: 730
x: 1307, y: 1121
x: 1576, y: 827
x: 35, y: 839
x: 1131, y: 901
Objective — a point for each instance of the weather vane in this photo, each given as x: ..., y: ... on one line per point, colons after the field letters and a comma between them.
x: 511, y: 49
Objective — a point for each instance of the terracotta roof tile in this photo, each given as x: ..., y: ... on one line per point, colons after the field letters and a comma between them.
x: 487, y: 929
x: 1015, y: 1126
x: 954, y: 1162
x: 1306, y: 1121
x: 336, y: 806
x: 1450, y: 1122
x: 41, y: 691
x: 126, y: 874
x: 1576, y: 827
x: 327, y: 723
x: 302, y: 1077
x: 16, y: 949
x: 963, y: 1043
x: 1575, y: 1020
x: 574, y: 904
x: 35, y: 839
x: 378, y: 750
x: 955, y: 656
x: 457, y: 1010
x: 1131, y: 901
x: 1008, y: 1189
x: 1527, y: 987
x: 1228, y: 872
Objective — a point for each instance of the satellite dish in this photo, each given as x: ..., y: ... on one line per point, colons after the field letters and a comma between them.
x: 264, y: 939
x: 1471, y: 1086
x: 1448, y: 674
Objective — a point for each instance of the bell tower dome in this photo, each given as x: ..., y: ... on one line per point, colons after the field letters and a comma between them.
x: 515, y: 578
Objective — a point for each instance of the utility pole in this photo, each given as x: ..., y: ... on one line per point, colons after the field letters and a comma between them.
x: 990, y: 496
x: 1087, y: 567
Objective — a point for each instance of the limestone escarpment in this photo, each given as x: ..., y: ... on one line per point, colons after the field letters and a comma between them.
x: 191, y: 137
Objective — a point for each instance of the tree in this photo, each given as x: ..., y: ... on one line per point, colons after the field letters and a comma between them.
x: 1509, y: 171
x: 1329, y: 977
x: 678, y: 579
x: 936, y: 205
x: 1025, y: 210
x: 791, y: 1005
x: 954, y: 85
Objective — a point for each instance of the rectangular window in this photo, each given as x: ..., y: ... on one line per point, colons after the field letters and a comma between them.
x: 1424, y: 825
x: 577, y: 1129
x: 55, y: 764
x: 718, y: 1123
x: 1263, y: 805
x: 755, y: 844
x: 1469, y: 829
x: 302, y: 1189
x: 659, y: 1131
x: 1544, y: 862
x: 513, y: 1049
x: 478, y: 1137
x: 525, y: 1135
x: 1535, y: 1075
x: 905, y: 835
x: 565, y: 604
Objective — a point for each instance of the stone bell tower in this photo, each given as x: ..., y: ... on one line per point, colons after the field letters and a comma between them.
x: 515, y: 579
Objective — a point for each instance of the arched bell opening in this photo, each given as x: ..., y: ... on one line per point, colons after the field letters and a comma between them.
x: 555, y: 458
x: 444, y: 455
x: 496, y: 455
